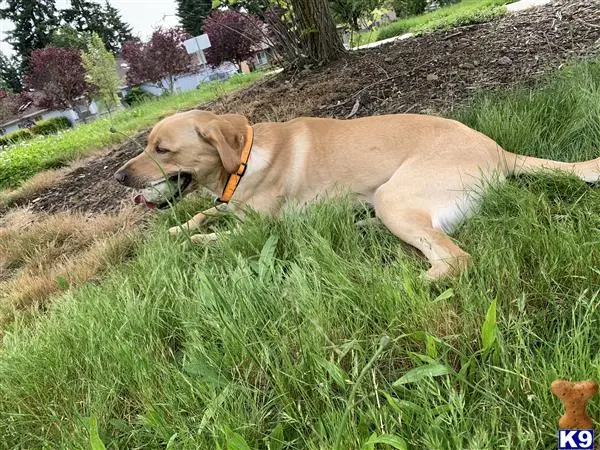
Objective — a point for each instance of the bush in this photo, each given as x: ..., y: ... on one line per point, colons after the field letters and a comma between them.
x: 16, y: 136
x: 137, y: 96
x: 405, y: 8
x: 51, y: 126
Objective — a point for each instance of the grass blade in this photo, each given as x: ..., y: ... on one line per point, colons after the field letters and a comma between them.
x: 419, y: 373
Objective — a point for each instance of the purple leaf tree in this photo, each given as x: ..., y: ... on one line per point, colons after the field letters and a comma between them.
x: 58, y: 75
x: 162, y: 58
x: 233, y: 36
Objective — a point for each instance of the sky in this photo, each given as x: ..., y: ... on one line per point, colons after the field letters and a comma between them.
x: 142, y: 15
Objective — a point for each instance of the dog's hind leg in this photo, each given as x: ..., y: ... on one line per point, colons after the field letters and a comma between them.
x: 411, y: 216
x: 414, y: 228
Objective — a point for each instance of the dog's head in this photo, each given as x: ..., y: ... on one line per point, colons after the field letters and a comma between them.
x: 185, y: 151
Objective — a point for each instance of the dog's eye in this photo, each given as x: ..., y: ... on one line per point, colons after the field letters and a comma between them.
x: 161, y: 150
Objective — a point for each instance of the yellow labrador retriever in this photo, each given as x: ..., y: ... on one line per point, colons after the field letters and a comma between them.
x: 422, y: 174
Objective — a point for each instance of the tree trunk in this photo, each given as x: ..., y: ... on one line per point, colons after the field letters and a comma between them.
x: 319, y: 38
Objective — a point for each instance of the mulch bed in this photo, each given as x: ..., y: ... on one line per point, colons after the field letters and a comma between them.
x: 426, y: 74
x: 92, y: 187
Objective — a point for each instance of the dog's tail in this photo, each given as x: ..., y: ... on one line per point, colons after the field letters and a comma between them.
x: 588, y: 171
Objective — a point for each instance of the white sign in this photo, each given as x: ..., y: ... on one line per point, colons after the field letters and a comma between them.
x: 197, y: 43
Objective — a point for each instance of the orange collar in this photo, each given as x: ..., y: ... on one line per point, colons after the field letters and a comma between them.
x: 234, y: 178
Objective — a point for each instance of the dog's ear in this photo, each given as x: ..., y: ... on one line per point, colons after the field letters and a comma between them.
x: 227, y: 134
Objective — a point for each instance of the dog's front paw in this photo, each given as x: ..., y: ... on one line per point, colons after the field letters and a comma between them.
x: 203, y: 238
x: 178, y: 229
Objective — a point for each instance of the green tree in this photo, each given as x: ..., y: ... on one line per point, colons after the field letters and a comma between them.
x: 405, y: 8
x: 68, y: 37
x: 257, y: 8
x: 101, y: 72
x: 192, y: 14
x: 350, y: 11
x: 90, y: 17
x: 33, y: 21
x: 10, y: 76
x: 117, y: 31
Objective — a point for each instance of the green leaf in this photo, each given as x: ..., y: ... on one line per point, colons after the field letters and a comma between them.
x: 464, y: 370
x: 430, y: 347
x: 235, y: 441
x: 389, y: 439
x: 276, y: 438
x: 489, y: 329
x: 369, y: 445
x: 422, y: 372
x: 266, y: 261
x: 335, y: 372
x: 171, y: 443
x: 448, y: 293
x: 201, y: 369
x: 95, y: 441
x: 402, y: 406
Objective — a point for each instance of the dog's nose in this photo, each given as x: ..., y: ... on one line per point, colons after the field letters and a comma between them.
x: 121, y: 176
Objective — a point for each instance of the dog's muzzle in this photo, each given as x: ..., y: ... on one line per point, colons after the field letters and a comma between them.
x: 163, y: 193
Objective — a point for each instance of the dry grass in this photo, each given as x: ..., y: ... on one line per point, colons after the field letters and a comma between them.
x: 42, y: 255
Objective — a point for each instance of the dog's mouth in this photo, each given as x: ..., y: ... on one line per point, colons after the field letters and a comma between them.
x: 165, y: 192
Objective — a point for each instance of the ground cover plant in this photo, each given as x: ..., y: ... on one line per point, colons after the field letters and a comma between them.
x: 51, y: 126
x: 15, y: 136
x: 462, y: 13
x: 307, y: 332
x: 20, y: 161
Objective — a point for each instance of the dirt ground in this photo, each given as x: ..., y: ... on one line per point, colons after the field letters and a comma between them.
x: 427, y: 74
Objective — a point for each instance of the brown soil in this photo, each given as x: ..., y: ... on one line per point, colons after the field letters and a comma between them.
x: 430, y: 73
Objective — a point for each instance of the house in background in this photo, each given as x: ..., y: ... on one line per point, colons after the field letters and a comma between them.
x: 29, y: 113
x: 198, y: 74
x: 263, y: 56
x: 84, y: 111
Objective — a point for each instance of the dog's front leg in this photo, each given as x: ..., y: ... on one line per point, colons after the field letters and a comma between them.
x: 205, y: 238
x: 195, y: 222
x: 209, y: 237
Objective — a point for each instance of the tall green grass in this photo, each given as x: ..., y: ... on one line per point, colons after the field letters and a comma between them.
x: 462, y: 13
x: 21, y: 161
x: 305, y: 331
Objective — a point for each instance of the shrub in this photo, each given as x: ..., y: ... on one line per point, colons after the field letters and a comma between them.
x: 16, y: 136
x: 405, y: 8
x: 137, y: 96
x: 51, y: 126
